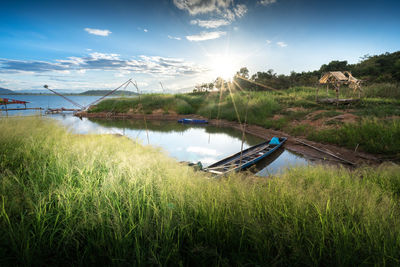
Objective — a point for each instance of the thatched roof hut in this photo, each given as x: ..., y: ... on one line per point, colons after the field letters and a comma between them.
x: 338, y: 78
x: 344, y: 77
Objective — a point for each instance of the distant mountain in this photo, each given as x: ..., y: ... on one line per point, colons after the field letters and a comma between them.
x: 44, y: 91
x: 103, y: 92
x: 4, y: 91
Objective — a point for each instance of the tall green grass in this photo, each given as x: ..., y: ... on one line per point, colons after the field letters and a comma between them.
x: 102, y: 199
x: 383, y: 90
x: 372, y: 135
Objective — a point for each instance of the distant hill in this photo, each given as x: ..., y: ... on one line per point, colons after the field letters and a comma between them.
x: 44, y: 91
x: 103, y: 92
x: 4, y: 91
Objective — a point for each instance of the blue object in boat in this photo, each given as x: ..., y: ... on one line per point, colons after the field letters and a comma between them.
x: 193, y: 121
x: 274, y: 141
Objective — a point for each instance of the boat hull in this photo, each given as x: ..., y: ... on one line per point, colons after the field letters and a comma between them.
x: 245, y: 158
x: 192, y: 121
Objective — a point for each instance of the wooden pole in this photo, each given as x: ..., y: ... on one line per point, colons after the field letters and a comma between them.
x: 326, y: 152
x: 337, y: 94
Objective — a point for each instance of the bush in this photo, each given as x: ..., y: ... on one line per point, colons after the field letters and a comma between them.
x: 182, y: 107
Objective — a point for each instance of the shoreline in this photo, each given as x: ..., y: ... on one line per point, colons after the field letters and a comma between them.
x: 359, y: 158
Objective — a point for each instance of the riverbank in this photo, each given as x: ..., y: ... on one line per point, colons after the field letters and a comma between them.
x: 370, y: 128
x: 292, y: 144
x: 103, y: 199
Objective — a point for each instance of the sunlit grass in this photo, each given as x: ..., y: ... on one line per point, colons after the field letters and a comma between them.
x: 279, y: 109
x: 102, y: 199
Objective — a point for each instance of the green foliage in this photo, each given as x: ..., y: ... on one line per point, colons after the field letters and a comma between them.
x: 334, y: 65
x: 372, y: 135
x: 104, y: 200
x: 383, y: 90
x: 301, y: 129
x: 182, y: 107
x: 378, y: 107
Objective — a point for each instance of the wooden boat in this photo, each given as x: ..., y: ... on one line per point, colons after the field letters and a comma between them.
x: 247, y: 157
x: 192, y: 121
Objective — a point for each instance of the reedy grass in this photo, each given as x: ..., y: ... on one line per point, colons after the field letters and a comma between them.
x: 382, y: 90
x: 371, y: 134
x: 102, y: 199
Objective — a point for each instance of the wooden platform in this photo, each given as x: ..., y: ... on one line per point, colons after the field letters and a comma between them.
x: 9, y: 109
x: 61, y: 110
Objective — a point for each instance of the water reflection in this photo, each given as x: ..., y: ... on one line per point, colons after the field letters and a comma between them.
x: 280, y: 161
x: 192, y: 143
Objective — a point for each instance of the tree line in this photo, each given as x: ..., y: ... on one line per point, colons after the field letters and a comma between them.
x: 384, y: 68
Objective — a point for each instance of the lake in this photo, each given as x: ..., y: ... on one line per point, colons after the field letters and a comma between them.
x: 190, y: 143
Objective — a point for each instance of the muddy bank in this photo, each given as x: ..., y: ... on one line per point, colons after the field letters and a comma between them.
x: 350, y: 155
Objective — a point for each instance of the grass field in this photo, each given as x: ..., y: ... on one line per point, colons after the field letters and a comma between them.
x: 100, y: 199
x: 376, y: 126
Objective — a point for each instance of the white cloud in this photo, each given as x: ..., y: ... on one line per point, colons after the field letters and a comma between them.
x: 203, y: 36
x: 224, y: 12
x: 97, y: 55
x: 63, y: 71
x: 268, y: 42
x: 202, y: 151
x: 122, y: 73
x: 229, y: 15
x: 153, y: 65
x: 98, y: 32
x: 212, y: 23
x: 71, y: 60
x: 266, y: 2
x: 195, y: 7
x: 174, y: 38
x: 145, y: 30
x: 240, y: 10
x: 282, y: 44
x: 208, y: 160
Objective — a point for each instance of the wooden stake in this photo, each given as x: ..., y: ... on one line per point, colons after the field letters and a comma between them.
x: 330, y: 154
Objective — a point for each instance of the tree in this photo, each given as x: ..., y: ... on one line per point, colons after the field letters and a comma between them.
x: 244, y: 72
x: 197, y: 88
x: 335, y: 65
x: 204, y: 87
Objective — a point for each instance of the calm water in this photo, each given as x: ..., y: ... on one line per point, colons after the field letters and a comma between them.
x: 192, y: 143
x: 45, y: 101
x: 207, y: 144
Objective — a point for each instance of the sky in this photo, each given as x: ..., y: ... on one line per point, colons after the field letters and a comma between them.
x: 84, y: 45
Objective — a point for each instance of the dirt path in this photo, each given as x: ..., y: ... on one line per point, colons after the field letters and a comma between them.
x: 350, y: 155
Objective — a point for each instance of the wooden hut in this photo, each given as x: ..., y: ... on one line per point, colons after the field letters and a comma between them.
x: 335, y: 79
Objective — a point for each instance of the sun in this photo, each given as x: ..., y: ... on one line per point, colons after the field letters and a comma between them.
x: 224, y: 66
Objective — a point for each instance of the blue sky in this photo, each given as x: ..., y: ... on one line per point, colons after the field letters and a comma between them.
x: 83, y: 45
